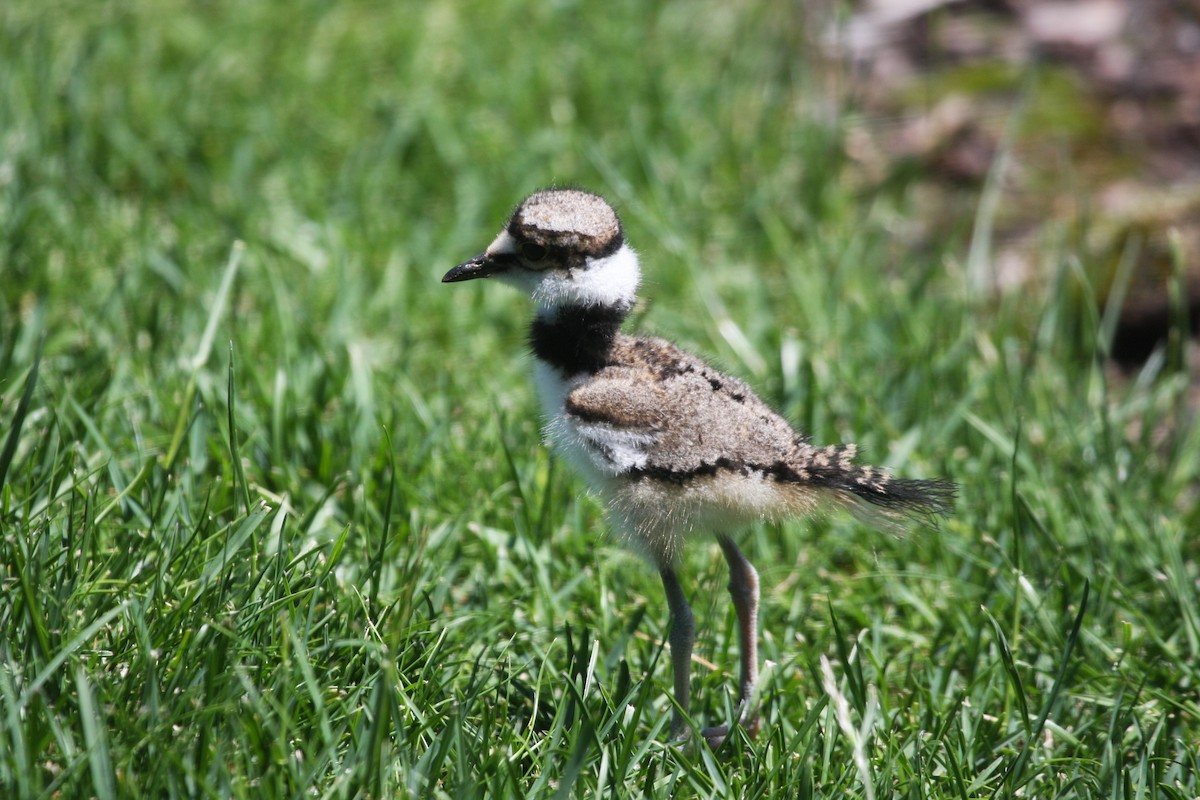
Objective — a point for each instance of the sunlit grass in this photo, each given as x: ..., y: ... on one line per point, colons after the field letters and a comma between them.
x: 275, y: 518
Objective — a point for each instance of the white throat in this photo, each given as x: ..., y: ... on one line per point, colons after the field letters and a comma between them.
x: 608, y: 281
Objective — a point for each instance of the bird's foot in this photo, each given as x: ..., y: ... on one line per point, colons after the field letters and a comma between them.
x: 717, y: 734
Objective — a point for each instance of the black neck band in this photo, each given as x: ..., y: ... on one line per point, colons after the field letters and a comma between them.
x: 576, y: 339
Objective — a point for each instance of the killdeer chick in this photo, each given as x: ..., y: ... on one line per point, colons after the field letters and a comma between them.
x: 671, y: 445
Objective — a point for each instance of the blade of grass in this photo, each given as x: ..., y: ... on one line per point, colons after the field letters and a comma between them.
x: 1013, y: 779
x: 76, y: 642
x: 375, y: 568
x: 1010, y: 669
x: 95, y: 735
x: 203, y: 350
x: 14, y: 432
x: 239, y: 474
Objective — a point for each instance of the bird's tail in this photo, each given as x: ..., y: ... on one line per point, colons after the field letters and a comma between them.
x: 872, y: 494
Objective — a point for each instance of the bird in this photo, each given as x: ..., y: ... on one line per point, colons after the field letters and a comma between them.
x: 673, y: 447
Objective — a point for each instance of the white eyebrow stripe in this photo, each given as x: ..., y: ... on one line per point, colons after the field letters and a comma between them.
x: 503, y: 244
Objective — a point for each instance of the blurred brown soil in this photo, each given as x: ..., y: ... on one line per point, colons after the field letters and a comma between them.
x: 1080, y: 118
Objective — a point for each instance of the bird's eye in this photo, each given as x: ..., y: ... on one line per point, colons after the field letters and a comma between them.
x: 533, y: 251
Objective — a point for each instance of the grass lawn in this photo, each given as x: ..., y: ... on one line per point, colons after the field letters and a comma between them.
x: 275, y: 519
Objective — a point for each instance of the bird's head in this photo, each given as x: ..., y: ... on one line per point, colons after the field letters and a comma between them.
x: 563, y: 246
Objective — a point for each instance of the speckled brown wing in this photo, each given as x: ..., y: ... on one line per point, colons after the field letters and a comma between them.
x: 689, y: 418
x: 660, y: 413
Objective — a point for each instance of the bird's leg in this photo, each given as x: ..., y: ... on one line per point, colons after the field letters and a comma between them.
x: 743, y: 589
x: 682, y: 636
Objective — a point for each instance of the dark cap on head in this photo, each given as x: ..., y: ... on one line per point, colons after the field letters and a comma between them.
x: 570, y: 220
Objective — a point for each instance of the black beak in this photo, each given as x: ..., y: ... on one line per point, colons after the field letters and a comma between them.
x: 481, y: 266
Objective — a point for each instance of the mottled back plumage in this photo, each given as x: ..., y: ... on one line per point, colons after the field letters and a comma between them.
x: 710, y: 452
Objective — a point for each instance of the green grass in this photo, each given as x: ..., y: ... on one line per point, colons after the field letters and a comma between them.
x: 274, y: 517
